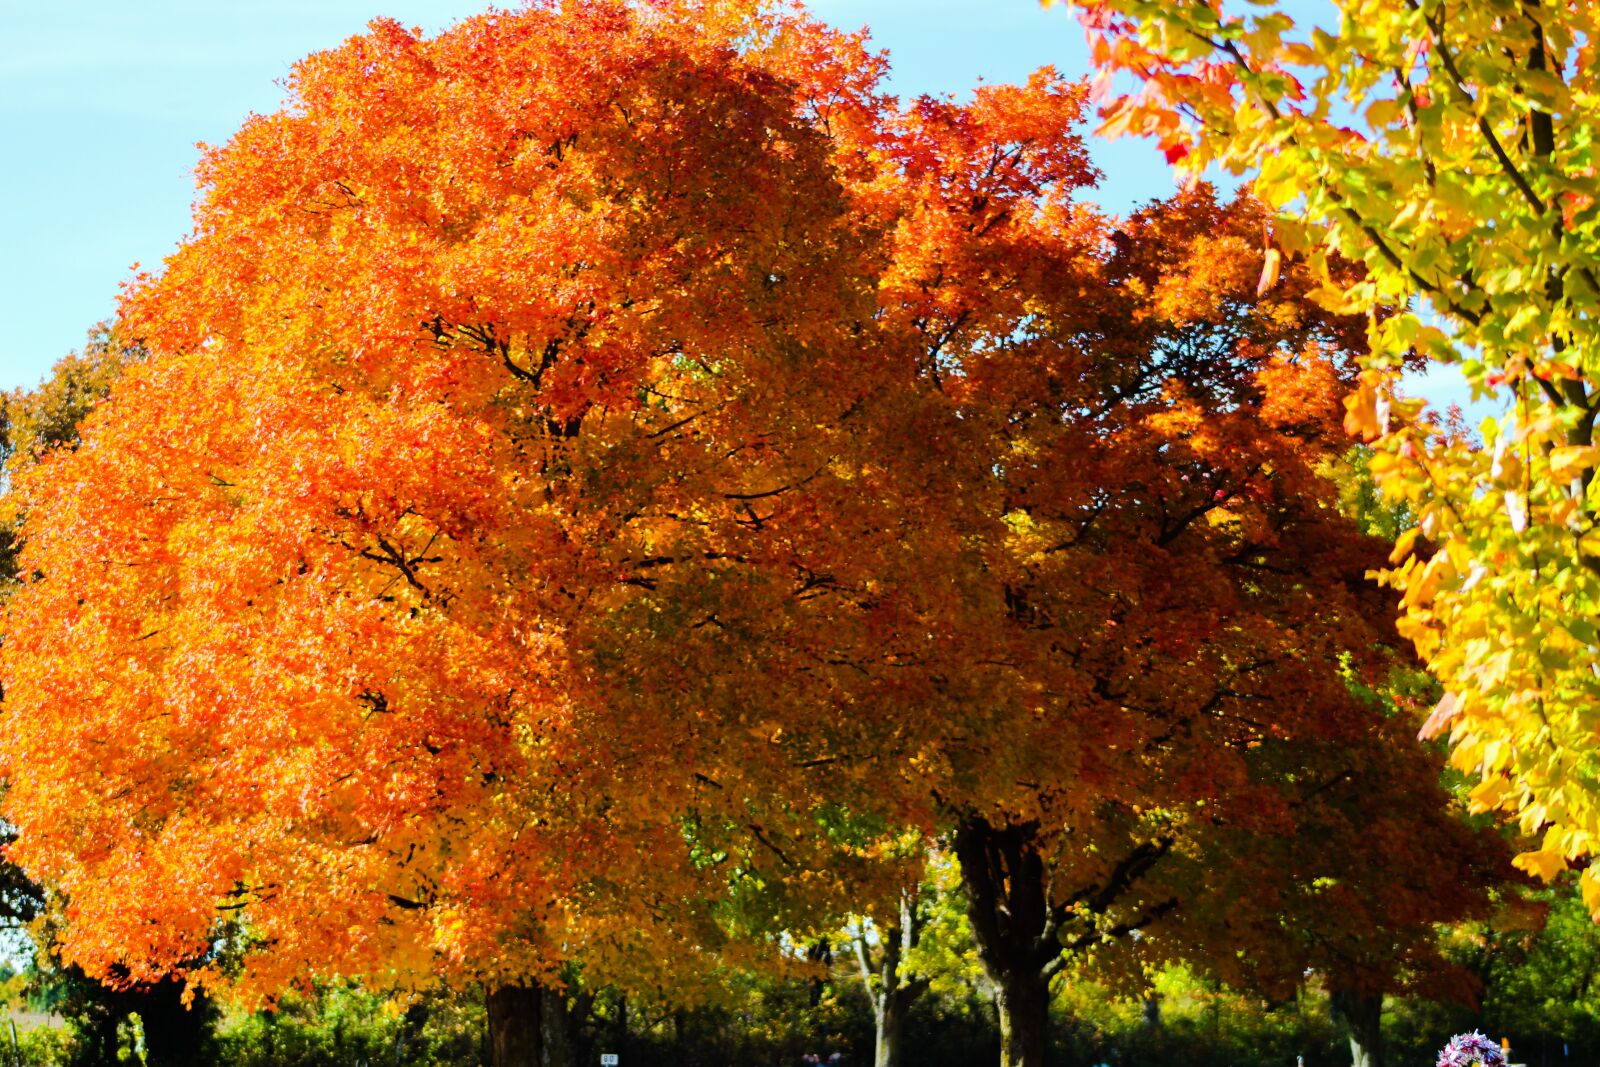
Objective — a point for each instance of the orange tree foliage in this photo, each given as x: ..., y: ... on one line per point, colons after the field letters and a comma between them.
x: 471, y: 340
x: 34, y: 421
x: 605, y: 472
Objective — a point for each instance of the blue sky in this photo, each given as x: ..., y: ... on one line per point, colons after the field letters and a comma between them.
x: 101, y: 105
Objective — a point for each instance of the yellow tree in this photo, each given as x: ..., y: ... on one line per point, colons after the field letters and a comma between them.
x: 1448, y: 148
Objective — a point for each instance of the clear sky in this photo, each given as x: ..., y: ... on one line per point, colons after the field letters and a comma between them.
x: 101, y: 105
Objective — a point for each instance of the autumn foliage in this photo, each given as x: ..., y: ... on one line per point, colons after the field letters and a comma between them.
x: 473, y: 343
x: 605, y: 474
x: 1449, y: 148
x: 435, y: 315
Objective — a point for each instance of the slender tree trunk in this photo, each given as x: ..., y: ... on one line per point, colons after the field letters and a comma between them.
x: 889, y: 1015
x: 890, y: 1033
x: 893, y: 993
x: 1151, y: 1013
x: 1363, y: 1014
x: 99, y: 1047
x: 621, y: 1038
x: 515, y: 1025
x: 821, y: 952
x: 410, y: 1035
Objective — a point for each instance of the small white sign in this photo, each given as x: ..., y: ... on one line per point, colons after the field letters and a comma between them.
x: 608, y: 1059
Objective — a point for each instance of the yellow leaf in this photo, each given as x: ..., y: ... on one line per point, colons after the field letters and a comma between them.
x: 1546, y: 864
x: 1590, y: 882
x: 1421, y: 589
x: 1269, y: 271
x: 1361, y: 412
x: 1382, y: 112
x: 1404, y: 545
x: 1570, y: 461
x: 1565, y: 513
x: 1335, y: 299
x: 1487, y: 795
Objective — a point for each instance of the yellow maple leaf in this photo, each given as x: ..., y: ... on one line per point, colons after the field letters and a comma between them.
x: 1546, y: 863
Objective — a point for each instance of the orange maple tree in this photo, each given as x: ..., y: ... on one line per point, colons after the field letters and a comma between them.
x: 606, y: 470
x: 471, y: 340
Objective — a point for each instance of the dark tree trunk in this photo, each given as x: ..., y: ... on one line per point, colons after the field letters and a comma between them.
x: 621, y: 1037
x: 515, y: 1017
x: 1151, y: 1014
x: 821, y: 952
x: 97, y: 1044
x: 410, y: 1035
x: 558, y: 1039
x: 1363, y: 1014
x: 1015, y: 927
x: 1018, y: 920
x: 175, y: 1034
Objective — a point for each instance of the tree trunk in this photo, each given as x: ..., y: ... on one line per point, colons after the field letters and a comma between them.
x: 1014, y: 925
x: 175, y: 1034
x: 97, y: 1046
x: 1151, y: 1013
x: 889, y: 1015
x: 821, y: 952
x: 558, y: 1040
x: 410, y: 1034
x: 889, y: 1033
x: 893, y: 993
x: 515, y: 1026
x: 620, y: 1040
x: 1363, y: 1014
x: 1018, y: 919
x: 1024, y: 1001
